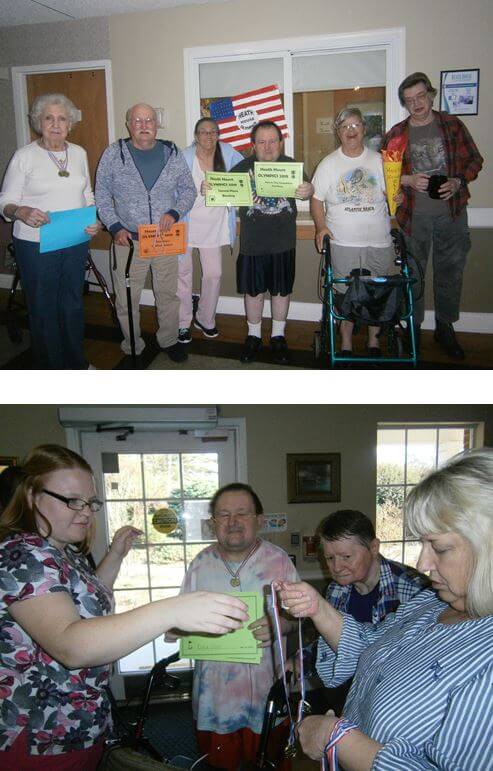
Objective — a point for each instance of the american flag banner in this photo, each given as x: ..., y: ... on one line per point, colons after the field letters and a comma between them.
x: 236, y: 116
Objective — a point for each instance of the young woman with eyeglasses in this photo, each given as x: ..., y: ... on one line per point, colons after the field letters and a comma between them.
x: 58, y: 636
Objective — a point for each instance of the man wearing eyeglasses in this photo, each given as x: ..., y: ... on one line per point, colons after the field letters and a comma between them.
x: 266, y: 261
x: 143, y: 180
x: 229, y: 698
x: 437, y: 144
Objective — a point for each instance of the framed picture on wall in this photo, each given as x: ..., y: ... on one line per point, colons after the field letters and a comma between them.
x: 7, y: 460
x: 459, y: 92
x: 314, y: 477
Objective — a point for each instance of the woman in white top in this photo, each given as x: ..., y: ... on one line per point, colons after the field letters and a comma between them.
x: 349, y: 205
x: 50, y: 174
x: 208, y: 228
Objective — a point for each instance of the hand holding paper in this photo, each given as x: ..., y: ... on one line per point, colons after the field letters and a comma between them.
x: 238, y: 646
x: 209, y: 613
x: 262, y: 630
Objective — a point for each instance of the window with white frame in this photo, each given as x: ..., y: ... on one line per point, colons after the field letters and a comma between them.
x: 405, y: 453
x: 317, y: 76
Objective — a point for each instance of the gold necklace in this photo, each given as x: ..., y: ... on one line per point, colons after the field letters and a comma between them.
x: 235, y: 574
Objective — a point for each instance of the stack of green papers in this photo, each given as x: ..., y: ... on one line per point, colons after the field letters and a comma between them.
x: 239, y: 646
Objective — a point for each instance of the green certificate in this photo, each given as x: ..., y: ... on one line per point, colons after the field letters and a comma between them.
x: 239, y: 646
x: 277, y: 180
x: 228, y: 189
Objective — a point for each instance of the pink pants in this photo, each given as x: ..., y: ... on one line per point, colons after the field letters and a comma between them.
x: 210, y: 260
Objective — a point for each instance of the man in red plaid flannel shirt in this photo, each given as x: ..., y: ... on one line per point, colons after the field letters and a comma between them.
x: 437, y: 144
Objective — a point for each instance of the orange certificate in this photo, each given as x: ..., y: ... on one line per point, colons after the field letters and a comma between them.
x: 154, y: 243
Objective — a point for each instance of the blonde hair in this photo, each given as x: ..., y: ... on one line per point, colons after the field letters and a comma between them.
x: 22, y: 516
x: 458, y: 498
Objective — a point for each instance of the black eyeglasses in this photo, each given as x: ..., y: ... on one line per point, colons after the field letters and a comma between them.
x: 77, y: 504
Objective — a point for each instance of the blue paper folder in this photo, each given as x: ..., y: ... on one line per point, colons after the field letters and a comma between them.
x: 66, y: 228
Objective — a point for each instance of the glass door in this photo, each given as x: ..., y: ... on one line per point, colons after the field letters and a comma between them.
x: 160, y: 482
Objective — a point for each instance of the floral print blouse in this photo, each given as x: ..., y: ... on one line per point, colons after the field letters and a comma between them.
x: 61, y: 709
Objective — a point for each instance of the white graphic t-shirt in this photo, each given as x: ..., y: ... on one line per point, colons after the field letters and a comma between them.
x: 355, y: 202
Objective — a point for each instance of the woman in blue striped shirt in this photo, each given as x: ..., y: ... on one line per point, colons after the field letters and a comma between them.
x: 422, y: 691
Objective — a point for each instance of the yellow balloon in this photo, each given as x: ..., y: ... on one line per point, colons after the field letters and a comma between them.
x: 164, y: 520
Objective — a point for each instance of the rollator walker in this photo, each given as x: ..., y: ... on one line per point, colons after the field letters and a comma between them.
x: 383, y: 301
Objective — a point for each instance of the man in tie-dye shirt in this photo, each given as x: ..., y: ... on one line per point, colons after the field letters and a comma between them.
x: 229, y: 699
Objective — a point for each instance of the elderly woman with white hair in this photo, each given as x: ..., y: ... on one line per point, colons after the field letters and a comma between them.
x: 50, y: 174
x: 349, y: 205
x: 421, y: 695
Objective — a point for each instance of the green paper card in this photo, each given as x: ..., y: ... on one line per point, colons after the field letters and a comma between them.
x: 277, y: 180
x: 239, y: 646
x: 228, y: 189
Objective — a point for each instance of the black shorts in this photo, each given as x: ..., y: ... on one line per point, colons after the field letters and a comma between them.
x: 272, y: 273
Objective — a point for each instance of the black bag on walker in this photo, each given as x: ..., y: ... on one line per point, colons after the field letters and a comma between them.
x: 375, y: 301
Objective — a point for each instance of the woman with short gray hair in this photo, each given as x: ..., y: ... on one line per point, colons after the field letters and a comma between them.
x: 49, y: 175
x: 349, y: 205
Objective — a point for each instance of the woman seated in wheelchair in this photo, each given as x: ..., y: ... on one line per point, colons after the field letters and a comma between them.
x: 349, y: 205
x: 58, y: 634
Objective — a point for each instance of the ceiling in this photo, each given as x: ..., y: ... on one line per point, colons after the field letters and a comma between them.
x: 14, y: 12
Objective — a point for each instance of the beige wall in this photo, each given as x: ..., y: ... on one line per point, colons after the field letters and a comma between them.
x: 147, y: 48
x: 272, y: 432
x: 440, y: 35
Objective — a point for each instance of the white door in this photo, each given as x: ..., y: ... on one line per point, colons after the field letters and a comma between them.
x: 136, y: 476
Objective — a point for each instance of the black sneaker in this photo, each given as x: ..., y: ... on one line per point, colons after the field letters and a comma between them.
x: 207, y: 332
x: 374, y: 351
x: 176, y: 353
x: 279, y: 349
x: 251, y: 348
x: 445, y: 336
x: 184, y: 335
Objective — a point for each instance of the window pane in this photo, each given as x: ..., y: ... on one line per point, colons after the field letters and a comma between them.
x: 161, y: 475
x: 392, y: 551
x: 412, y: 550
x: 133, y: 572
x: 166, y: 565
x: 127, y: 482
x: 391, y: 456
x: 451, y: 441
x: 389, y: 520
x: 153, y: 535
x: 323, y: 84
x: 197, y: 521
x: 421, y: 453
x: 200, y: 475
x: 219, y: 80
x: 125, y: 513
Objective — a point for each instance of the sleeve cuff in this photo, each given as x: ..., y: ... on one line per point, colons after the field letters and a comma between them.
x: 174, y: 214
x: 115, y: 227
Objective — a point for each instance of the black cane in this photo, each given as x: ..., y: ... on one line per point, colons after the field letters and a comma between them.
x: 129, y: 302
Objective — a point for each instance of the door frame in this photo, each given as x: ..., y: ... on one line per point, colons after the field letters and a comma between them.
x: 21, y: 106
